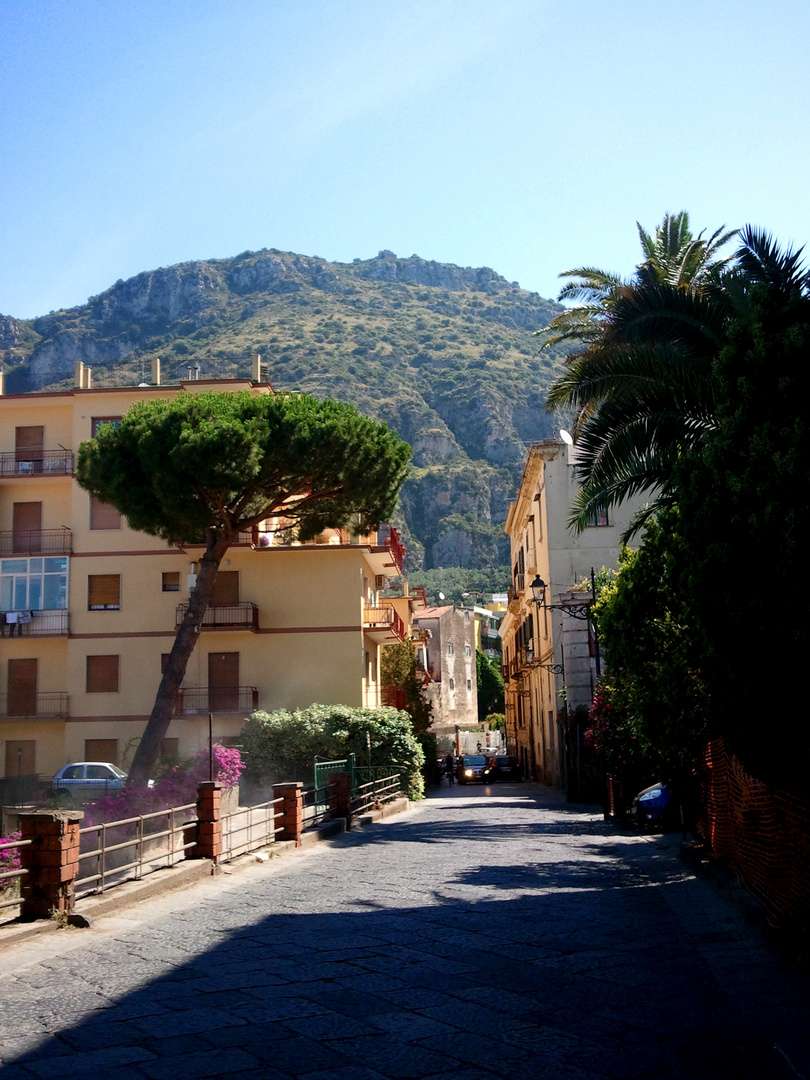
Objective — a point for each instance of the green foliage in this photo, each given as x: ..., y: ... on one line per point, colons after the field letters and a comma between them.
x: 460, y: 585
x: 398, y: 669
x: 496, y: 721
x: 657, y: 695
x: 283, y: 746
x: 179, y: 467
x: 490, y: 685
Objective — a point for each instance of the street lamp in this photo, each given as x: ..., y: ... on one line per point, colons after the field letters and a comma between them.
x: 577, y: 611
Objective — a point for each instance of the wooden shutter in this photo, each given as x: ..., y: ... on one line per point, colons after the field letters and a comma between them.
x: 28, y: 446
x: 102, y: 674
x: 171, y: 581
x: 226, y: 589
x: 103, y: 592
x: 26, y: 526
x: 170, y: 749
x: 21, y: 757
x: 22, y: 688
x: 223, y: 682
x: 103, y: 516
x: 101, y: 750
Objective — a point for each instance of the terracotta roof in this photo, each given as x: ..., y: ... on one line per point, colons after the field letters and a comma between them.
x: 432, y: 612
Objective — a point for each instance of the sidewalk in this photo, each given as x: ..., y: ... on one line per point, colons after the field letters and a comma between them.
x: 488, y: 932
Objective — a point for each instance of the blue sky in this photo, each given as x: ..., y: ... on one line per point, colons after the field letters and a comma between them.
x: 524, y: 135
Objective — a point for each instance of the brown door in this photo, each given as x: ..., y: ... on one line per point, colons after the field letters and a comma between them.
x: 26, y: 525
x: 21, y: 757
x: 223, y: 682
x: 22, y: 688
x: 28, y: 447
x: 226, y: 589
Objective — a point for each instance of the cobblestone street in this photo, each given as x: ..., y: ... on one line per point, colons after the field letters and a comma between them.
x: 486, y: 932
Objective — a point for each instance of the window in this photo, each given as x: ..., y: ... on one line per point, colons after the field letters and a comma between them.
x: 102, y: 675
x: 103, y: 516
x: 469, y: 684
x: 170, y: 749
x: 450, y: 648
x: 103, y: 592
x: 226, y: 589
x: 597, y: 518
x: 171, y: 581
x: 103, y: 421
x: 36, y: 584
x: 101, y: 750
x: 452, y: 684
x: 467, y: 650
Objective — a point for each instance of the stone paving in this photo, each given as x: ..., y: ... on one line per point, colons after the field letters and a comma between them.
x: 489, y: 932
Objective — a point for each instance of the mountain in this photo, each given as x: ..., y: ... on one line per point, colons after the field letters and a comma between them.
x: 443, y: 353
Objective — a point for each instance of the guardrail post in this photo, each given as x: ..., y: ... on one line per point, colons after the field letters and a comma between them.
x: 340, y: 796
x: 52, y: 862
x: 209, y: 821
x: 290, y: 817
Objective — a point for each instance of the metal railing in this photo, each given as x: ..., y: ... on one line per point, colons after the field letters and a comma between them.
x: 383, y: 617
x: 242, y: 616
x: 36, y: 542
x: 36, y: 462
x: 11, y: 879
x: 51, y: 623
x: 375, y: 792
x: 24, y: 706
x: 250, y: 827
x: 224, y: 699
x: 317, y: 804
x: 128, y: 849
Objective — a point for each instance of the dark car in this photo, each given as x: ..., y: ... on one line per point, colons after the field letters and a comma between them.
x: 506, y: 768
x: 474, y: 767
x: 655, y: 807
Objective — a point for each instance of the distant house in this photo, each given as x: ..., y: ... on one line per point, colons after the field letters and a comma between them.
x: 448, y: 637
x: 550, y: 656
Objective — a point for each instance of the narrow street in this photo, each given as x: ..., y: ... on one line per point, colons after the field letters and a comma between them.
x: 487, y: 932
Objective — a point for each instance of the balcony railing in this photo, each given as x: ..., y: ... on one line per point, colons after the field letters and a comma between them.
x: 33, y: 463
x: 220, y: 699
x: 36, y: 542
x: 42, y: 624
x: 394, y: 544
x: 225, y: 617
x: 384, y: 619
x: 520, y: 584
x: 31, y: 706
x: 393, y: 696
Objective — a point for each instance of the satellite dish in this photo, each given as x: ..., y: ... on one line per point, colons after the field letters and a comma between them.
x: 441, y: 596
x: 566, y: 437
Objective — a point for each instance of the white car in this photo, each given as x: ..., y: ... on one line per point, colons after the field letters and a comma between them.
x: 89, y: 779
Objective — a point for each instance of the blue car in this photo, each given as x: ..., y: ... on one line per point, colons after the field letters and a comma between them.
x: 654, y: 806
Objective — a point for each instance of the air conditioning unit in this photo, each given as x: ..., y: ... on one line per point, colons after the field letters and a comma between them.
x: 379, y: 581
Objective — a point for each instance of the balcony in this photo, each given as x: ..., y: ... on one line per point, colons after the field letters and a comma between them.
x: 36, y: 463
x: 393, y: 697
x: 23, y: 704
x: 225, y: 617
x: 394, y: 544
x: 42, y: 624
x: 36, y: 542
x: 383, y: 624
x: 196, y: 700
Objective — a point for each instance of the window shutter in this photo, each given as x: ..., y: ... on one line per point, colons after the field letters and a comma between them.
x: 226, y: 589
x: 104, y: 592
x: 103, y: 516
x: 102, y: 674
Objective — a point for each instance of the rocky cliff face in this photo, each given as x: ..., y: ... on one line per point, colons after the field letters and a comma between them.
x: 443, y: 353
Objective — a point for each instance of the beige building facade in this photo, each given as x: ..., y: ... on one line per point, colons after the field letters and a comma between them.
x: 550, y: 655
x: 89, y: 607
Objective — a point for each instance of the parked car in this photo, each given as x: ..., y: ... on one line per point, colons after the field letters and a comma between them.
x: 89, y: 779
x: 472, y: 767
x: 506, y: 768
x: 655, y: 807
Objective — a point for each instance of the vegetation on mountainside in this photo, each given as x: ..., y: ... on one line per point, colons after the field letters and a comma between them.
x: 443, y: 354
x: 203, y: 468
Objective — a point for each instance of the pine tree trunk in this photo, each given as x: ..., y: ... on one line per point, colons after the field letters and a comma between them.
x: 188, y: 633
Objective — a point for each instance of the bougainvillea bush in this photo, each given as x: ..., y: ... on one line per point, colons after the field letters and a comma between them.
x: 177, y: 787
x: 9, y: 860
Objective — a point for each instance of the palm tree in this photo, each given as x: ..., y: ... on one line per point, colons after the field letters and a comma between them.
x: 641, y: 386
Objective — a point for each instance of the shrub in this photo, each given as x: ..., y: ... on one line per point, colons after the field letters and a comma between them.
x: 284, y: 746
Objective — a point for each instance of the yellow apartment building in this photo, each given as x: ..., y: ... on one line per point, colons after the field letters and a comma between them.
x: 89, y: 607
x: 550, y: 654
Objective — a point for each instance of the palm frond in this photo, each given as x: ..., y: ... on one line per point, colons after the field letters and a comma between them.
x: 761, y: 261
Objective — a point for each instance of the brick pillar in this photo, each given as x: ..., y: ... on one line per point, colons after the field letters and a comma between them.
x: 290, y: 815
x: 209, y: 821
x: 52, y: 862
x: 340, y: 796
